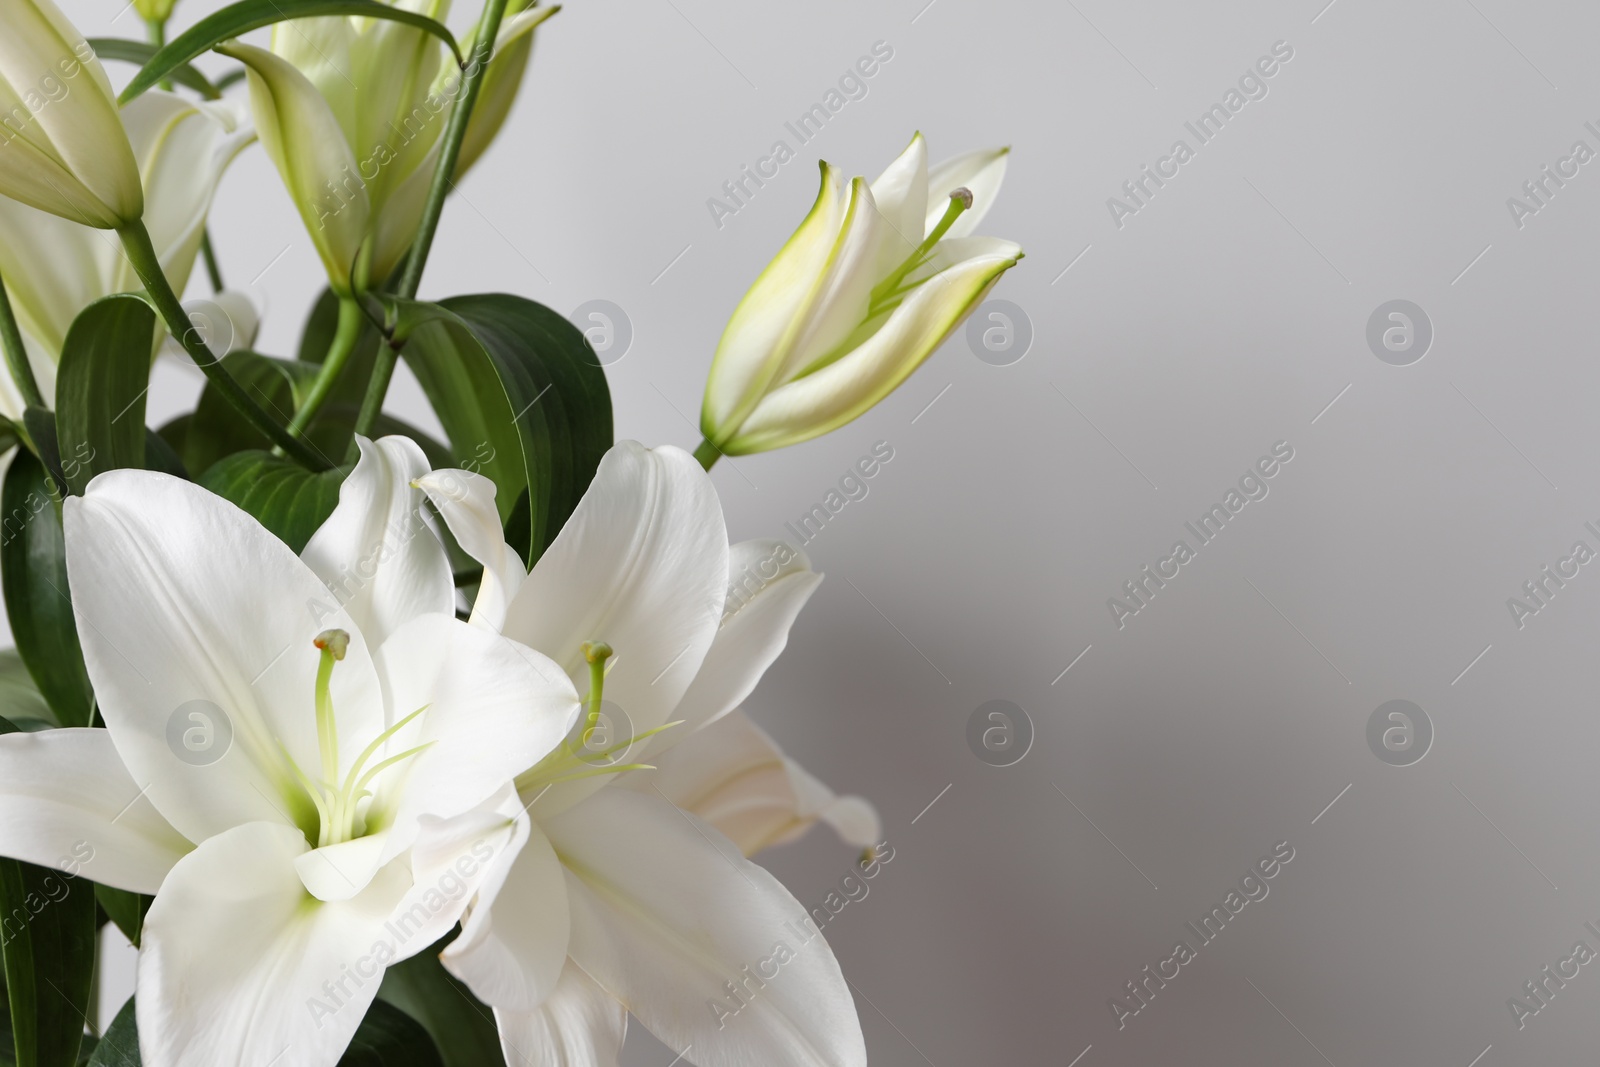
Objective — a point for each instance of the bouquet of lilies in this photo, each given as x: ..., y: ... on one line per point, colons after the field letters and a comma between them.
x: 384, y: 749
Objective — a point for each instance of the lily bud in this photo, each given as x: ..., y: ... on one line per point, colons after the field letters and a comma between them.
x: 873, y: 281
x: 53, y: 268
x: 62, y: 147
x: 154, y: 10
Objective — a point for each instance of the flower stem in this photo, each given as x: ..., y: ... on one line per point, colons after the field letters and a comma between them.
x: 17, y: 354
x: 209, y: 254
x: 142, y: 254
x: 472, y: 75
x: 708, y: 454
x: 345, y: 337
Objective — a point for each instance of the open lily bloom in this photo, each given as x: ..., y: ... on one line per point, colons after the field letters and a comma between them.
x: 873, y: 281
x: 620, y: 897
x: 351, y: 111
x: 54, y: 268
x: 307, y: 760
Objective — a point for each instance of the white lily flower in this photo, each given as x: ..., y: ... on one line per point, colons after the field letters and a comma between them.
x: 621, y: 898
x: 62, y: 148
x: 54, y: 268
x: 306, y: 759
x: 873, y: 281
x: 513, y: 47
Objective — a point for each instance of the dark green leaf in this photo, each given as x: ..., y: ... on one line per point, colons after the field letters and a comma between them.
x: 282, y: 495
x: 47, y: 938
x: 524, y: 402
x: 100, y: 388
x: 141, y: 52
x: 125, y: 909
x: 119, y: 1045
x: 388, y: 1037
x: 10, y: 435
x: 215, y: 429
x: 33, y: 577
x: 235, y: 20
x: 20, y: 699
x: 461, y: 1025
x: 41, y: 427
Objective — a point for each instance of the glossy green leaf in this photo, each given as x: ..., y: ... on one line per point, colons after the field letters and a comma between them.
x: 462, y: 1026
x: 142, y: 52
x: 20, y: 699
x: 240, y: 18
x: 524, y: 402
x: 48, y: 949
x: 124, y: 908
x: 101, y: 385
x: 33, y: 577
x: 119, y: 1045
x: 215, y: 429
x: 282, y: 495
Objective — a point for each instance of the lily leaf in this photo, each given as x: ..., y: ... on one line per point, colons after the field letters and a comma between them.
x: 523, y: 400
x: 49, y: 957
x: 282, y: 495
x: 101, y: 386
x: 240, y: 18
x: 33, y: 577
x: 142, y: 52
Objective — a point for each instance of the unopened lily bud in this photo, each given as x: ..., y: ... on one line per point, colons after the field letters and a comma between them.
x: 873, y: 281
x: 62, y: 145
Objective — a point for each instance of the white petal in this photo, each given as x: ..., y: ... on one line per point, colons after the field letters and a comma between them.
x: 642, y: 564
x: 466, y: 501
x: 66, y: 798
x: 376, y: 554
x: 981, y: 173
x: 901, y: 193
x: 768, y: 583
x: 734, y: 776
x: 511, y: 950
x: 183, y: 598
x: 52, y: 269
x: 239, y: 964
x: 662, y: 917
x: 579, y: 1025
x: 495, y: 708
x: 764, y: 325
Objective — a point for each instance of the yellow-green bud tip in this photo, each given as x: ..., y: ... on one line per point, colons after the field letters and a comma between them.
x: 334, y: 642
x: 596, y: 651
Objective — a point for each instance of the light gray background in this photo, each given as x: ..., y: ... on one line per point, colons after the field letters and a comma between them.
x: 1221, y: 319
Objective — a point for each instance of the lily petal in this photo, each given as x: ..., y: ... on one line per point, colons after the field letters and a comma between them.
x: 981, y: 172
x: 239, y: 964
x: 768, y: 583
x: 466, y: 501
x: 512, y: 948
x: 66, y: 798
x: 901, y: 193
x: 662, y: 917
x: 845, y: 389
x: 188, y: 607
x: 578, y: 1025
x: 304, y: 140
x: 735, y: 777
x: 513, y: 47
x: 494, y: 709
x: 642, y: 564
x: 376, y: 554
x: 761, y: 330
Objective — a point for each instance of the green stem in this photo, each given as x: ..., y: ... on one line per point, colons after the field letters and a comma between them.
x: 444, y: 169
x: 450, y: 147
x: 17, y: 354
x: 209, y: 254
x: 344, y: 342
x: 142, y: 254
x: 155, y: 31
x: 707, y: 454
